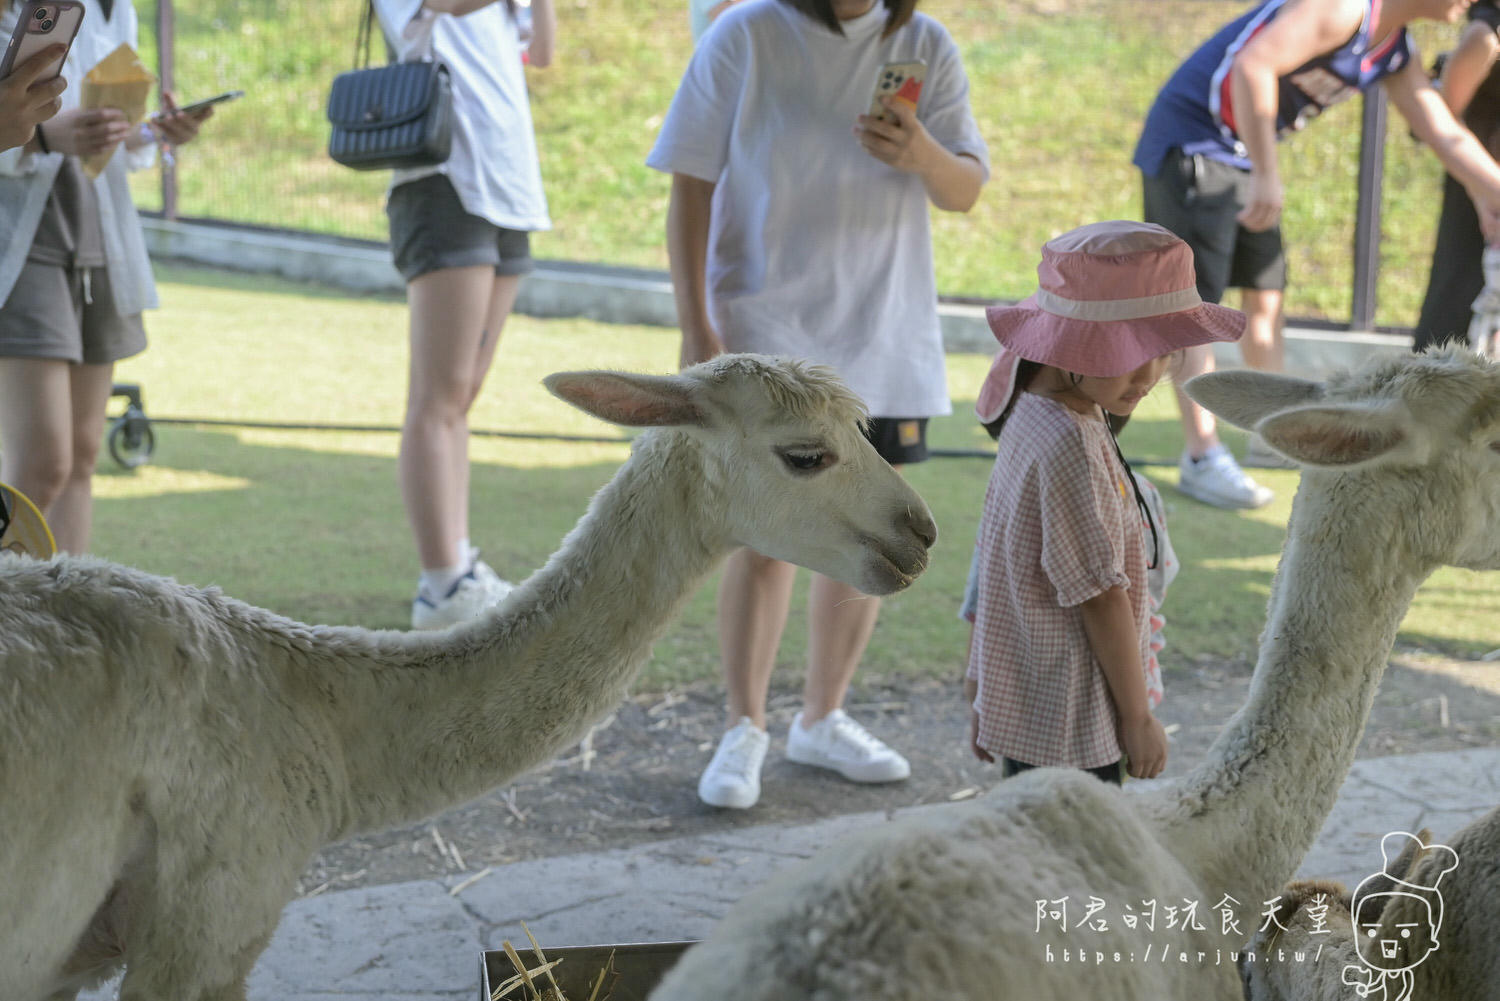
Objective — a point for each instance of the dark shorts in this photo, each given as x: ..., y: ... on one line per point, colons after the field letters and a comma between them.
x: 899, y: 440
x: 1109, y: 773
x: 1198, y: 198
x: 56, y: 312
x: 430, y: 231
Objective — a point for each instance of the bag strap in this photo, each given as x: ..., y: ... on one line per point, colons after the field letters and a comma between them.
x: 362, y: 38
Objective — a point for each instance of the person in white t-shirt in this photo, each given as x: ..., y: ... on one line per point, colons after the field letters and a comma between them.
x: 798, y: 225
x: 460, y: 238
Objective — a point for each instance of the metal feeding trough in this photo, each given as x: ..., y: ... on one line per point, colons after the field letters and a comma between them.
x: 637, y: 969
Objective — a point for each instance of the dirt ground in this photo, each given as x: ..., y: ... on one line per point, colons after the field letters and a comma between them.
x: 638, y: 781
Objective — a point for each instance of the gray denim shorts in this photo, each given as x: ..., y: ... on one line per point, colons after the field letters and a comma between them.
x: 430, y: 230
x: 67, y: 314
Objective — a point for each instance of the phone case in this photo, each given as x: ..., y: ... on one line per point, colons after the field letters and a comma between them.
x: 42, y: 23
x: 903, y: 81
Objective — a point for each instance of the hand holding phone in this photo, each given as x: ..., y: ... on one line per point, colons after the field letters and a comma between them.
x: 900, y: 82
x: 25, y: 102
x: 42, y: 24
x: 897, y: 140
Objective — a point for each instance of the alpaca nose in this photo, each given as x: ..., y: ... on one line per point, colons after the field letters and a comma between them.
x: 919, y: 521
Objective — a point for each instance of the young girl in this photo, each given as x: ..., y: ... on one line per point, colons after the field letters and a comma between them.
x: 1062, y: 625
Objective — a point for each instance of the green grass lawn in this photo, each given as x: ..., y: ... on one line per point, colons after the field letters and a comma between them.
x: 1059, y: 88
x: 309, y: 523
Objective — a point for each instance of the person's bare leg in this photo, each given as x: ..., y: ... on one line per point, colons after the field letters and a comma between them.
x: 449, y: 310
x: 36, y: 421
x: 71, y: 515
x: 1199, y: 432
x: 755, y: 594
x: 840, y: 620
x: 1263, y: 346
x: 502, y: 300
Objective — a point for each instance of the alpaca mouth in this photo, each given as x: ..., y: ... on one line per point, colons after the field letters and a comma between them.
x: 902, y: 572
x: 1388, y: 948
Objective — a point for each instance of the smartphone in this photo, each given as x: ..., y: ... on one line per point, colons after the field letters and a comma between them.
x: 42, y: 23
x: 902, y: 81
x: 197, y: 106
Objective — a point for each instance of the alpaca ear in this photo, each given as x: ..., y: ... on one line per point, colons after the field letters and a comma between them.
x: 625, y: 398
x: 1243, y: 397
x: 1337, y: 435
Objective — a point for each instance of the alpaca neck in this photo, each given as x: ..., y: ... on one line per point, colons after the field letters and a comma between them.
x: 1243, y: 820
x: 461, y: 714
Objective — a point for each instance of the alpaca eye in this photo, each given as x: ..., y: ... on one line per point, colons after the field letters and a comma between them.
x: 806, y: 460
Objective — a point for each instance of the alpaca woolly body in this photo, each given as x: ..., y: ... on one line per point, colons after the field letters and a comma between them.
x: 946, y: 904
x: 1466, y: 965
x: 173, y: 757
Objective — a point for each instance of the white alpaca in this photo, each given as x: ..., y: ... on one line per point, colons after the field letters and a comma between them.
x: 170, y: 759
x: 1465, y: 966
x: 1401, y: 473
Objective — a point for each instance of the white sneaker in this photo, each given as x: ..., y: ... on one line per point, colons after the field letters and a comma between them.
x: 498, y: 586
x: 1218, y: 480
x: 466, y: 599
x: 732, y: 778
x: 1259, y: 455
x: 838, y: 743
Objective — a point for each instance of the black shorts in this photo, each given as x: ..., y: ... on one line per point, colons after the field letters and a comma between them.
x: 1114, y: 773
x: 1197, y: 198
x: 899, y: 440
x: 430, y: 230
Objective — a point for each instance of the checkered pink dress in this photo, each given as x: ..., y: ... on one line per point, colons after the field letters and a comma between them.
x: 1060, y: 525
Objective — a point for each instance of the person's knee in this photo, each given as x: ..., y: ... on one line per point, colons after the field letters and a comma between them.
x: 41, y: 476
x: 85, y: 456
x: 444, y: 403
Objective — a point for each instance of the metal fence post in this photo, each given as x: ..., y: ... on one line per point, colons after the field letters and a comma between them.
x: 1367, y: 213
x: 165, y: 60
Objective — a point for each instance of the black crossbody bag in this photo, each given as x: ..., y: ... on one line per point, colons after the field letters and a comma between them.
x: 390, y: 117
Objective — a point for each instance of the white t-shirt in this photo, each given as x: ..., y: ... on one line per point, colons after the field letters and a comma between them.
x: 493, y: 165
x: 817, y: 249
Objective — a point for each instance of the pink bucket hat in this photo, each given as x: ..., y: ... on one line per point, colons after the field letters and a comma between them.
x: 1111, y: 297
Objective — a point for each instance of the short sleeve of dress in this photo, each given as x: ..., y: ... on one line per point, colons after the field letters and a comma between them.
x: 944, y: 108
x: 1081, y: 555
x: 694, y: 137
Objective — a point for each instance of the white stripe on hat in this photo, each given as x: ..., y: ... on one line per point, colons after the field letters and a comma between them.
x: 1119, y: 309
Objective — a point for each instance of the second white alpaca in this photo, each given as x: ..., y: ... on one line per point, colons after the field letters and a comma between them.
x: 170, y: 759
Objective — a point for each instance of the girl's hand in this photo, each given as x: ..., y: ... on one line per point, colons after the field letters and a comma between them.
x: 1145, y: 745
x: 904, y: 143
x: 175, y: 128
x: 86, y: 131
x: 24, y: 103
x: 978, y: 751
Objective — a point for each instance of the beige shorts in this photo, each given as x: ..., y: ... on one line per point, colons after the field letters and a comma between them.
x: 57, y: 312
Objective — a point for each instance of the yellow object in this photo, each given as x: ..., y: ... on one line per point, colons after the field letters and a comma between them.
x: 23, y: 530
x: 120, y: 80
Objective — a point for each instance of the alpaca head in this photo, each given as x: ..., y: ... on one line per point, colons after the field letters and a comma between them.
x: 1422, y: 428
x: 779, y: 442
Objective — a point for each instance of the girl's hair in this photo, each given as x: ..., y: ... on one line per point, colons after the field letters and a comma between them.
x: 1025, y: 372
x: 898, y: 12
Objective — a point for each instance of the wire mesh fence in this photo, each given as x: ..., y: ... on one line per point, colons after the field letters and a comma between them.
x: 1059, y: 87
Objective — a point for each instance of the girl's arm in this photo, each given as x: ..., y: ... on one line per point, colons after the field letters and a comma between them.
x: 688, y: 215
x: 1110, y: 624
x: 543, y: 33
x: 1303, y: 30
x: 1470, y: 63
x: 952, y: 180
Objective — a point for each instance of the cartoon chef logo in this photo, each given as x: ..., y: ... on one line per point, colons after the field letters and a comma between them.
x: 1397, y: 913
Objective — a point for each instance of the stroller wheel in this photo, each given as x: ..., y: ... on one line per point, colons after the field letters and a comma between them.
x: 131, y: 440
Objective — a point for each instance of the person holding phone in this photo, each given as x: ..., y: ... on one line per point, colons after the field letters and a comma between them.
x: 1210, y: 167
x: 26, y: 100
x: 460, y: 236
x: 74, y: 279
x: 798, y: 225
